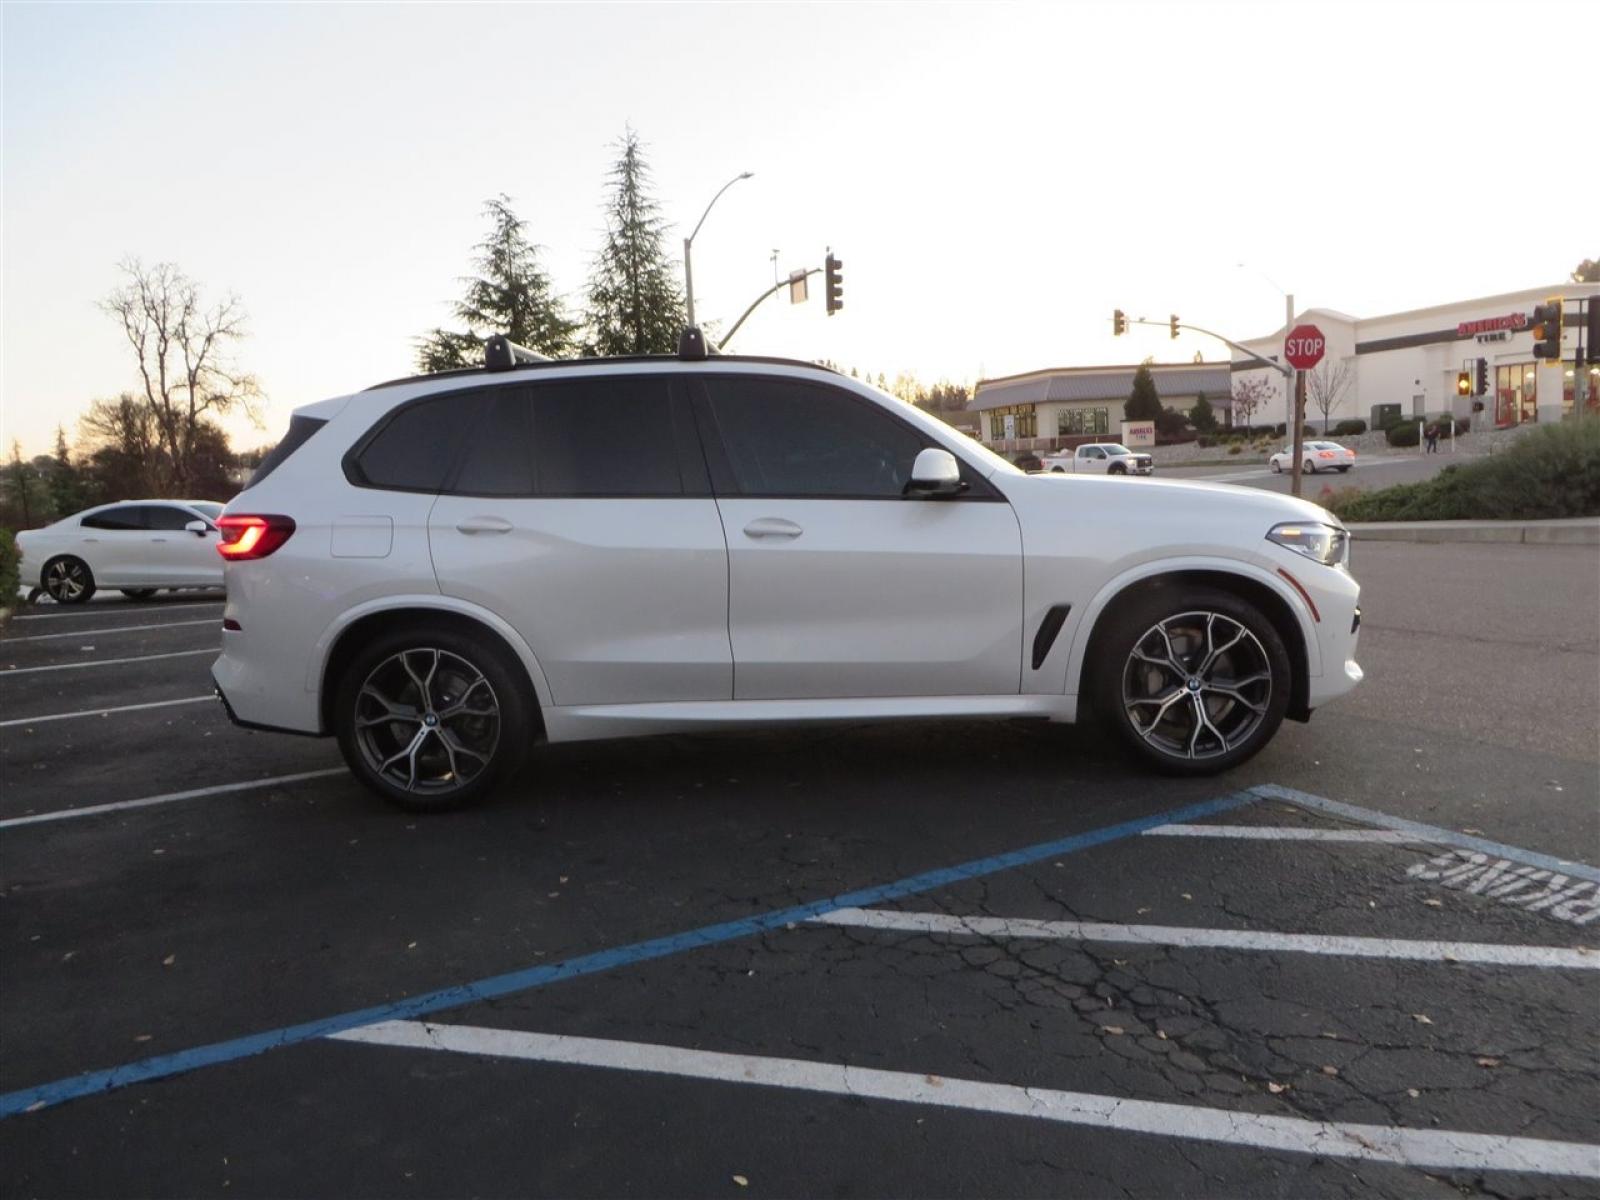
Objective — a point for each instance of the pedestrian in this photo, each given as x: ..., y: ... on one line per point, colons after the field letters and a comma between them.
x: 1432, y: 433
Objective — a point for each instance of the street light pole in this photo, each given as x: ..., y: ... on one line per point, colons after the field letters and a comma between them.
x: 688, y: 243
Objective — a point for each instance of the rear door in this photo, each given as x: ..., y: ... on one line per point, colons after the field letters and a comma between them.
x: 839, y: 585
x: 114, y: 542
x: 581, y: 512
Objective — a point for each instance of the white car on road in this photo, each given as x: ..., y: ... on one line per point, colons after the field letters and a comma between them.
x: 1314, y: 457
x: 444, y: 570
x: 1099, y: 458
x: 136, y: 546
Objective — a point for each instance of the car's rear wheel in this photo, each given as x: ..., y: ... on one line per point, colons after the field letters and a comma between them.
x: 67, y: 580
x: 1343, y: 469
x: 138, y: 593
x: 1308, y: 467
x: 432, y: 718
x: 1196, y: 680
x: 1277, y: 467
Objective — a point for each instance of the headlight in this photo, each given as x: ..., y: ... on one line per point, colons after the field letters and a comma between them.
x: 1326, y: 544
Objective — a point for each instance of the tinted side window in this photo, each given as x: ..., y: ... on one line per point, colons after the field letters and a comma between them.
x: 788, y: 438
x: 300, y: 429
x: 415, y: 448
x: 605, y: 437
x: 124, y: 516
x: 165, y: 517
x: 498, y: 461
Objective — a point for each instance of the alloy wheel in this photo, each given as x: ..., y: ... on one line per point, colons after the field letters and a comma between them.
x: 427, y: 721
x: 1197, y: 685
x: 66, y: 580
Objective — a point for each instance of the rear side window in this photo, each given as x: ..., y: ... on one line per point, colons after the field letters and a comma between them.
x: 124, y: 516
x: 608, y: 436
x: 415, y: 449
x: 300, y: 429
x: 165, y: 517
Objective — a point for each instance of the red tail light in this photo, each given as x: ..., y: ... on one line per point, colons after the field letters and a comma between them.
x: 1324, y: 453
x: 245, y: 538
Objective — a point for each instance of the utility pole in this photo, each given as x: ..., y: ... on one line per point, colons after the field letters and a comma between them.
x: 688, y: 245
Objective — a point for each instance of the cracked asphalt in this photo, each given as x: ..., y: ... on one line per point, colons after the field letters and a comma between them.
x: 151, y: 931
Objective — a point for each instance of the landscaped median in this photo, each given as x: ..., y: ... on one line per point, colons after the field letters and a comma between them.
x: 1548, y: 474
x: 1577, y: 531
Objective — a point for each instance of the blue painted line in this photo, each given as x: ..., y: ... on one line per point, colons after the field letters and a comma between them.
x: 1431, y: 833
x: 163, y: 1066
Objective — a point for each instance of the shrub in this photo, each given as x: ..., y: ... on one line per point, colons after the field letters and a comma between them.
x: 1392, y: 420
x: 1205, y: 442
x: 10, y: 563
x: 1236, y: 448
x: 1552, y: 471
x: 1349, y: 428
x: 1171, y: 426
x: 1403, y: 434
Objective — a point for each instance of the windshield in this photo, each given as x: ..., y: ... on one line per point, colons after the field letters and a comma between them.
x: 1114, y: 448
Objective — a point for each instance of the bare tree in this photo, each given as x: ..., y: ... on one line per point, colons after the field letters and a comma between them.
x: 1249, y: 393
x: 1326, y: 386
x: 124, y: 445
x: 184, y: 355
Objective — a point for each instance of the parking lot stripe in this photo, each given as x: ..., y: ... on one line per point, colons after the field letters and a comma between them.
x: 117, y: 609
x: 79, y: 633
x: 1281, y: 833
x: 101, y: 712
x: 162, y: 1066
x: 1429, y: 1148
x: 1428, y: 833
x: 1483, y: 953
x: 105, y: 662
x: 221, y: 789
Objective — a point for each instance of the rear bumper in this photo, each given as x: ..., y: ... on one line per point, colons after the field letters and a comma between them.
x: 233, y: 716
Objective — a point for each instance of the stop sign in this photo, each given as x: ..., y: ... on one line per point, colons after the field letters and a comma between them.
x: 1304, y: 346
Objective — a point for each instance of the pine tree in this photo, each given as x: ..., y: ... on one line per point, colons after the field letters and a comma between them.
x: 1202, y: 416
x: 511, y: 294
x: 67, y: 492
x: 1144, y: 403
x: 635, y: 306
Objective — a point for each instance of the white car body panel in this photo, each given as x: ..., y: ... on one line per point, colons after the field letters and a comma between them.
x: 126, y: 558
x: 1322, y: 458
x: 876, y: 610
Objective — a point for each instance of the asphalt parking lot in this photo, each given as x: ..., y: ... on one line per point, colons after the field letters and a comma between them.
x: 932, y: 960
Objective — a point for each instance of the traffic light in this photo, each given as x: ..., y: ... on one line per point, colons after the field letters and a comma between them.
x: 1172, y: 324
x: 834, y: 279
x: 1463, y: 383
x: 1483, y: 378
x: 1119, y: 323
x: 1547, y: 329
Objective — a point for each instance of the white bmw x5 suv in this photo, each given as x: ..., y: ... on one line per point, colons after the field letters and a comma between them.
x: 442, y: 571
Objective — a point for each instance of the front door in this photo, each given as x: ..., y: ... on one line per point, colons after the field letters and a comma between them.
x: 177, y: 555
x: 839, y: 586
x: 581, y: 513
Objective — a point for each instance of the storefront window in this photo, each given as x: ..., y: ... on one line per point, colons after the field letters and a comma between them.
x: 1070, y: 421
x: 1530, y: 392
x: 1516, y: 394
x: 1023, y: 420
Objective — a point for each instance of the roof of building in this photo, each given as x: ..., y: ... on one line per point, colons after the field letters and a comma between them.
x: 1068, y: 384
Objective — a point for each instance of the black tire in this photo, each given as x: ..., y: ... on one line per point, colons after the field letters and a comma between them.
x: 67, y: 580
x: 1116, y: 469
x: 1308, y: 467
x: 1277, y: 467
x: 1239, y: 724
x: 1058, y: 470
x: 1344, y: 469
x: 384, y: 676
x: 138, y: 593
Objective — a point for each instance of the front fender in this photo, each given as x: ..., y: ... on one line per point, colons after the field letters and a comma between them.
x: 1083, y: 630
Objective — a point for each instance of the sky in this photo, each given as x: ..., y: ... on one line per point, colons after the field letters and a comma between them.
x: 995, y: 177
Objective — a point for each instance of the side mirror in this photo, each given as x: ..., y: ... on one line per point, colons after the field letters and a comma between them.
x: 935, y: 474
x: 198, y: 528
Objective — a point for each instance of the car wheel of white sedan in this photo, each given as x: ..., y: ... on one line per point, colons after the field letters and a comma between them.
x: 1277, y: 467
x: 68, y: 580
x: 1197, y: 681
x: 430, y: 719
x: 1309, y: 467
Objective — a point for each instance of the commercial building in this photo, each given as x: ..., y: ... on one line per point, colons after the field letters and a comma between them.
x: 1411, y: 361
x: 1053, y: 409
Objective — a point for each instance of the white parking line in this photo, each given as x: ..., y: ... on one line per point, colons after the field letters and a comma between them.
x: 106, y: 662
x: 1217, y: 939
x: 102, y: 712
x: 109, y: 609
x: 68, y: 814
x: 1267, y: 833
x: 81, y: 633
x: 1438, y: 1148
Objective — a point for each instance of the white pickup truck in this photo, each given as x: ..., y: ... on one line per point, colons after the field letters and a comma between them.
x: 1099, y: 458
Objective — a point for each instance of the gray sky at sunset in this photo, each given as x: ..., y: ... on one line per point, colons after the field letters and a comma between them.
x: 996, y: 177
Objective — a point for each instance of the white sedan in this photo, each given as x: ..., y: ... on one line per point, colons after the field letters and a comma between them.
x: 135, y: 546
x: 1314, y: 457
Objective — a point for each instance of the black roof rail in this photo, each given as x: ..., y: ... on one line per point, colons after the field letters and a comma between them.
x: 500, y: 353
x: 694, y: 346
x: 527, y: 360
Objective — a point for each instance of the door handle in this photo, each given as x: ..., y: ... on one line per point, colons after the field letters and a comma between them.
x: 156, y: 539
x: 765, y: 527
x: 484, y: 525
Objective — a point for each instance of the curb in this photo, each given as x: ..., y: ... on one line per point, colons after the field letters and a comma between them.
x: 1575, y: 531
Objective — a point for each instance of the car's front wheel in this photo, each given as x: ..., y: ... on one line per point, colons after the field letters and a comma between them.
x: 1277, y: 467
x: 432, y: 719
x: 1196, y: 680
x: 67, y: 580
x: 1117, y: 469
